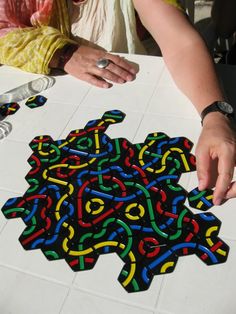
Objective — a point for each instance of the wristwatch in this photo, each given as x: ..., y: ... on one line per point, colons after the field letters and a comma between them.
x: 219, y: 106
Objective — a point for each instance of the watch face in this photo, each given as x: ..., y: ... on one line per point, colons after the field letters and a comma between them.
x: 225, y: 107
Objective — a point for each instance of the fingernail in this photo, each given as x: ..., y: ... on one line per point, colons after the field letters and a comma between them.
x: 217, y: 201
x: 200, y: 184
x: 121, y: 81
x: 133, y: 71
x: 130, y: 78
x: 105, y: 85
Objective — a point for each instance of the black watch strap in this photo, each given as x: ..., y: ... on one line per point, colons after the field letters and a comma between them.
x: 218, y: 106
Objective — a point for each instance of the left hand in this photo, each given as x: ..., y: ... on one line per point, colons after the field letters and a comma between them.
x: 82, y: 65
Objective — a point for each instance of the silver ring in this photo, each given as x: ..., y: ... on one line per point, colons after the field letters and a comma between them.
x: 102, y: 63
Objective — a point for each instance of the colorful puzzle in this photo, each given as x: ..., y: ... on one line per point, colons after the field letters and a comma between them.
x: 89, y: 195
x: 36, y: 101
x: 9, y: 109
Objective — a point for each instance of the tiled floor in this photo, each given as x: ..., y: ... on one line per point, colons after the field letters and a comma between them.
x: 31, y: 284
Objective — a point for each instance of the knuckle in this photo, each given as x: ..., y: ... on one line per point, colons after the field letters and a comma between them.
x: 227, y: 176
x: 108, y: 75
x: 114, y: 58
x: 228, y: 147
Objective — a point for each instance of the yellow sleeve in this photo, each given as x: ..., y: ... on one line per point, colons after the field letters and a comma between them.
x: 31, y: 49
x: 175, y: 3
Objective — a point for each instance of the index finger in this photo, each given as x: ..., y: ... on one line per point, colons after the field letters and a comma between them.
x: 203, y: 165
x: 121, y: 62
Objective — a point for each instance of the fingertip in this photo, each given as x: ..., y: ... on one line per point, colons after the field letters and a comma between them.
x: 133, y: 71
x: 201, y: 185
x: 130, y: 77
x: 121, y: 81
x: 106, y: 85
x: 217, y: 201
x: 220, y: 196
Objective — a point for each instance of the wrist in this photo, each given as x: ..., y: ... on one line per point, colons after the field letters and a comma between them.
x: 214, y: 118
x: 62, y: 56
x: 218, y: 123
x: 218, y: 109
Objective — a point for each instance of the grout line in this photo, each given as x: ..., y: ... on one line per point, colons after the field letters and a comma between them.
x: 68, y: 292
x: 77, y: 108
x: 3, y: 227
x: 161, y: 114
x: 154, y: 89
x: 12, y: 140
x: 159, y: 293
x: 163, y: 312
x: 2, y: 189
x: 67, y: 295
x: 37, y: 276
x: 227, y: 238
x: 71, y: 287
x: 137, y: 130
x: 64, y: 301
x: 114, y: 299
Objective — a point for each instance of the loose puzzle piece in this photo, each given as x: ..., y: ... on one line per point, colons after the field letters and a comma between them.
x: 36, y: 101
x: 89, y: 195
x: 9, y: 109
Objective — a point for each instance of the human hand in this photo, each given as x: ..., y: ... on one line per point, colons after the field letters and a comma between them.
x: 82, y: 65
x: 215, y: 156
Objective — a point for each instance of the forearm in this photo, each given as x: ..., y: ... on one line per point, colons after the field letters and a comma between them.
x: 184, y: 51
x: 31, y: 49
x: 194, y: 73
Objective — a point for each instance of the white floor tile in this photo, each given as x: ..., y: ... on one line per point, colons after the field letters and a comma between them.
x: 150, y: 71
x: 24, y: 294
x: 20, y: 78
x: 102, y: 279
x: 226, y: 213
x: 15, y: 166
x: 151, y: 123
x: 196, y: 288
x: 4, y: 196
x: 12, y: 254
x: 80, y: 302
x: 49, y: 119
x: 3, y: 222
x: 168, y: 100
x: 67, y: 90
x: 123, y: 97
x: 166, y: 79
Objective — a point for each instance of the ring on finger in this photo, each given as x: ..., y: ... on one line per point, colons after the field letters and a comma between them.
x: 102, y: 63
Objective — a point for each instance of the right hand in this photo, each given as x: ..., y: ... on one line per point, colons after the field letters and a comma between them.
x: 216, y: 155
x: 82, y: 65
